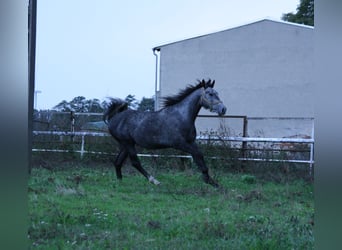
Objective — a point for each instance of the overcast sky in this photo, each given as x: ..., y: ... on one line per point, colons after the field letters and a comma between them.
x: 103, y: 48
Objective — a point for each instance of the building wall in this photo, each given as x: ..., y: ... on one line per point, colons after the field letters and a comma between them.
x: 263, y: 69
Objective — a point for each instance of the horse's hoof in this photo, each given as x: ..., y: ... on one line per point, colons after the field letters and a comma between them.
x: 215, y: 185
x: 153, y: 180
x: 210, y: 181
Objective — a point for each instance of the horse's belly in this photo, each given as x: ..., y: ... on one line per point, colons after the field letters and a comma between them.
x: 154, y: 141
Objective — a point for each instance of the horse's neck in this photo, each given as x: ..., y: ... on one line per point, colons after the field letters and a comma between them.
x: 190, y: 106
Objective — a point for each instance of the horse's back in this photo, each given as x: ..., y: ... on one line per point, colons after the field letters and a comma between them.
x: 151, y: 129
x: 130, y: 123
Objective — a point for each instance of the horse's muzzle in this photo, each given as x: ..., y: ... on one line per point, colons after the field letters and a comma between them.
x: 221, y: 110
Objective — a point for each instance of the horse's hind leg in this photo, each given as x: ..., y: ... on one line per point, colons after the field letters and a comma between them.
x: 136, y: 163
x: 122, y: 156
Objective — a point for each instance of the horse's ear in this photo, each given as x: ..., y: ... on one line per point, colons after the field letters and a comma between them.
x: 209, y: 84
x: 203, y: 83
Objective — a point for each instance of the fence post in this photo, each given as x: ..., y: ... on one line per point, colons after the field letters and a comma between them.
x: 72, y: 119
x: 312, y: 147
x: 244, y: 143
x: 82, y: 146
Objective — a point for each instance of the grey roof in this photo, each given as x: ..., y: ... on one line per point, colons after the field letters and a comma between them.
x: 240, y: 26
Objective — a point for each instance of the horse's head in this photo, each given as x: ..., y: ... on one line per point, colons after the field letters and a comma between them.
x: 210, y: 98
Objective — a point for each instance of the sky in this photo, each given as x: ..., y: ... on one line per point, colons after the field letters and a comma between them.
x: 100, y: 49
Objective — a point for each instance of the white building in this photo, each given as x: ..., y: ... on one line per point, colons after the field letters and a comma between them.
x: 262, y: 69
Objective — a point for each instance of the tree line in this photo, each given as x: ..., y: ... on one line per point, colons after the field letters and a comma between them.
x: 82, y: 105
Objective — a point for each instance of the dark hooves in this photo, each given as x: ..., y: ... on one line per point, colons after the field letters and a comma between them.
x: 210, y: 181
x: 214, y: 184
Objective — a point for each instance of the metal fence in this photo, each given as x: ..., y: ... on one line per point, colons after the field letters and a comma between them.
x: 51, y: 129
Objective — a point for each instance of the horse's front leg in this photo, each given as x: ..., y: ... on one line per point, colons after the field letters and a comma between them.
x: 136, y: 163
x: 198, y: 158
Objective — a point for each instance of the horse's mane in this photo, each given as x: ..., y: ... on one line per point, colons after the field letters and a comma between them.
x: 115, y: 106
x: 173, y: 99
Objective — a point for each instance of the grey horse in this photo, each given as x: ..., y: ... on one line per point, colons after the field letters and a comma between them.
x: 173, y: 126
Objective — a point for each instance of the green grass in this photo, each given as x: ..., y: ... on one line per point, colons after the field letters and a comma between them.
x: 84, y: 208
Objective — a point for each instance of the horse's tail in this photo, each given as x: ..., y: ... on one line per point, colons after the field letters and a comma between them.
x: 115, y: 106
